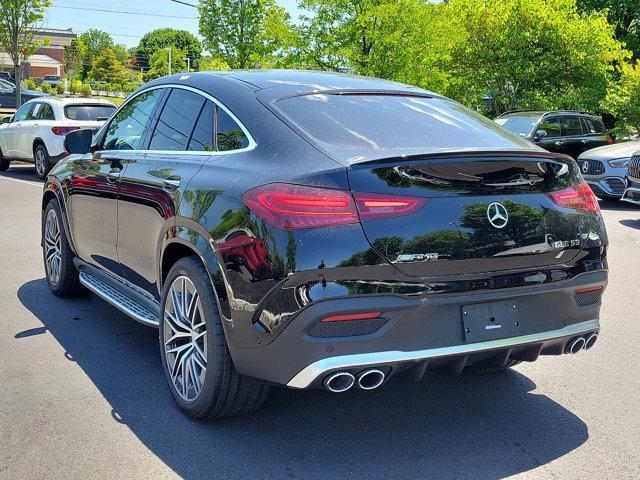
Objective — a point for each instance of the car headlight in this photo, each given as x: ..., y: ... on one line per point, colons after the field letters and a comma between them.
x: 619, y: 162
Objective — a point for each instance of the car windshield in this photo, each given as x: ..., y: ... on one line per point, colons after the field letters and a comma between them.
x: 518, y: 124
x: 88, y: 112
x: 397, y: 122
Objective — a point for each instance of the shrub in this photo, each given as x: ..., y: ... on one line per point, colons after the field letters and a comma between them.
x: 76, y: 87
x: 60, y: 88
x: 86, y: 91
x: 46, y: 88
x: 29, y: 84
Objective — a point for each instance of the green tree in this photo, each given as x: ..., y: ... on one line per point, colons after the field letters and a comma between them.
x: 624, y: 14
x: 213, y: 63
x: 107, y: 68
x: 159, y: 63
x: 531, y: 54
x: 96, y: 42
x: 623, y: 99
x: 122, y: 54
x: 74, y: 56
x: 169, y: 37
x: 245, y: 33
x: 17, y: 35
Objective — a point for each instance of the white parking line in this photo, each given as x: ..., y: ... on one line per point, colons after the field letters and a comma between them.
x: 35, y: 184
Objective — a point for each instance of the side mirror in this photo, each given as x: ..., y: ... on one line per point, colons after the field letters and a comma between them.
x: 78, y: 141
x: 6, y: 119
x: 539, y: 135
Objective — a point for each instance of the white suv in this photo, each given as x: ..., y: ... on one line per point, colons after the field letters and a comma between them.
x: 36, y: 132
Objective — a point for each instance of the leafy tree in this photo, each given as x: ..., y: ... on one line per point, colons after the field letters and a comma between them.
x: 169, y: 37
x: 107, y: 68
x: 159, y: 63
x: 623, y: 98
x: 531, y: 54
x: 74, y: 56
x: 244, y: 33
x: 624, y: 14
x: 122, y: 54
x: 96, y: 42
x: 17, y: 35
x: 213, y: 63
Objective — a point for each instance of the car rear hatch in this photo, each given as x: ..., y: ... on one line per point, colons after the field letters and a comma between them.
x: 477, y: 212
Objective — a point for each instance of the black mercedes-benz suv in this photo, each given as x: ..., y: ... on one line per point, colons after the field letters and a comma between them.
x: 568, y: 132
x: 321, y: 230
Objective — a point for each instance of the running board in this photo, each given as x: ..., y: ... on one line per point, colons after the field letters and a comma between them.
x: 122, y: 302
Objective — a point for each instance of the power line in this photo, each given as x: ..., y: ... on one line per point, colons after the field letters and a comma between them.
x: 126, y: 12
x: 185, y: 3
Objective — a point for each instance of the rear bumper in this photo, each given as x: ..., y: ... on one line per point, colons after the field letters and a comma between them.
x: 419, y: 329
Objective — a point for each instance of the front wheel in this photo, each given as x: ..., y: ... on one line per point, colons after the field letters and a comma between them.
x: 4, y: 163
x: 42, y: 161
x: 194, y: 351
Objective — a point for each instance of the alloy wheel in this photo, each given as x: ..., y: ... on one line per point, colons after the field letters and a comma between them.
x: 185, y: 338
x: 52, y: 247
x: 40, y: 162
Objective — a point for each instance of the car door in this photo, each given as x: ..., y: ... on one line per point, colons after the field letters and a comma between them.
x: 27, y: 131
x: 181, y: 141
x: 573, y: 135
x: 7, y: 95
x: 553, y: 140
x: 595, y: 133
x: 94, y: 185
x: 11, y: 146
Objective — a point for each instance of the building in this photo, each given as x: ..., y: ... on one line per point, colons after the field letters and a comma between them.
x: 48, y: 60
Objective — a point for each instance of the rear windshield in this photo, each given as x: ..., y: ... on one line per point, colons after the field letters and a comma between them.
x: 88, y: 112
x: 396, y: 122
x: 520, y: 125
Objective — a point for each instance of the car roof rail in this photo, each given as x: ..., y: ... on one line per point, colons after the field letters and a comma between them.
x: 548, y: 112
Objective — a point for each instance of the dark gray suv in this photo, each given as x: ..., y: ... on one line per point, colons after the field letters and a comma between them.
x: 568, y: 132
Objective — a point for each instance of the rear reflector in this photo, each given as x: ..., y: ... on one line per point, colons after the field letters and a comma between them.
x: 589, y: 289
x: 610, y: 141
x: 291, y: 207
x: 580, y: 197
x: 351, y: 316
x: 63, y: 130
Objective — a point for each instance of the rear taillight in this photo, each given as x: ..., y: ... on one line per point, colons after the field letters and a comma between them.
x: 63, y: 130
x: 610, y: 141
x: 579, y: 197
x: 291, y: 207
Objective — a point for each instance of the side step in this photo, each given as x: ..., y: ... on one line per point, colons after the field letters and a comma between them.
x: 119, y: 300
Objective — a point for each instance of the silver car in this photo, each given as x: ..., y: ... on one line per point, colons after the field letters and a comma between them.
x: 605, y: 168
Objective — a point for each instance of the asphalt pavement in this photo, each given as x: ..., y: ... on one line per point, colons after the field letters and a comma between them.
x: 82, y: 394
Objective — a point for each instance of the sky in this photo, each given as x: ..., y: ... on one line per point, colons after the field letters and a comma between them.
x: 128, y: 20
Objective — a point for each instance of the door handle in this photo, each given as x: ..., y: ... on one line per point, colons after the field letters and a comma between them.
x: 114, y: 175
x: 585, y: 141
x: 171, y: 183
x: 559, y: 144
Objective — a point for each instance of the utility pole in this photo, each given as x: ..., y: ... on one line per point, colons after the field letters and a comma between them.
x: 169, y: 60
x: 188, y: 64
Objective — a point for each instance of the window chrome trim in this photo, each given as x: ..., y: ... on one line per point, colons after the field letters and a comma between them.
x: 252, y: 142
x: 317, y: 369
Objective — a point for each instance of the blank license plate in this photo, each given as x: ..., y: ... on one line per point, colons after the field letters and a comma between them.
x: 491, y: 321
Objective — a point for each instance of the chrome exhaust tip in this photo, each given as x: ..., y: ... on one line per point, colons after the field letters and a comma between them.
x: 339, y: 382
x: 590, y: 341
x: 370, y: 379
x: 575, y: 345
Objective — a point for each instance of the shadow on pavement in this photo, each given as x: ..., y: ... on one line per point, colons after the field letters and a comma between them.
x: 488, y: 426
x: 22, y: 171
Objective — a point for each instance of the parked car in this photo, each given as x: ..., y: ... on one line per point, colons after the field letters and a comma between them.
x: 8, y: 95
x: 8, y: 76
x: 632, y: 188
x: 36, y: 132
x: 605, y: 168
x: 567, y: 132
x: 318, y: 230
x: 52, y: 80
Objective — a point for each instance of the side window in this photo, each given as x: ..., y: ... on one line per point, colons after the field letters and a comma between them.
x: 176, y: 121
x: 591, y: 126
x: 23, y: 112
x: 572, y: 126
x: 45, y: 112
x: 551, y: 126
x: 33, y: 115
x: 126, y: 130
x: 229, y: 134
x: 202, y: 137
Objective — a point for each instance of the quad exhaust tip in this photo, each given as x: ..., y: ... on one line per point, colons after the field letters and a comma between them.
x: 339, y: 382
x: 575, y: 345
x: 370, y: 379
x: 590, y: 341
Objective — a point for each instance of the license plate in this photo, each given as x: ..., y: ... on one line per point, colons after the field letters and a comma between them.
x: 491, y: 321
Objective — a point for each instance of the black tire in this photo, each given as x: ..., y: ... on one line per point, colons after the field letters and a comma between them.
x: 67, y: 282
x: 42, y: 161
x: 4, y: 163
x: 223, y: 392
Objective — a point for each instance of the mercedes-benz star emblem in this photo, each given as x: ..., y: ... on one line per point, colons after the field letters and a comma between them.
x: 497, y: 215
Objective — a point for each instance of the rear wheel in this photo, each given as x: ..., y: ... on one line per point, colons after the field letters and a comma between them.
x: 42, y: 161
x: 194, y: 351
x: 4, y: 163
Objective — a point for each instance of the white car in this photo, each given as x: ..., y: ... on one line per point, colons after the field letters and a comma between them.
x: 36, y: 132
